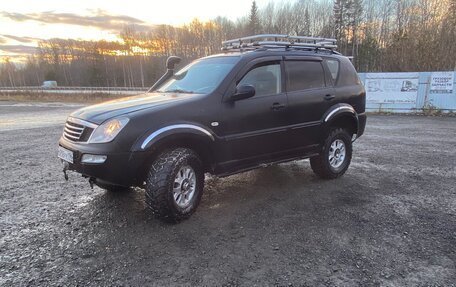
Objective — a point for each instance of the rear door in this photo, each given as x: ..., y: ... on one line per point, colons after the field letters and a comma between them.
x: 310, y: 94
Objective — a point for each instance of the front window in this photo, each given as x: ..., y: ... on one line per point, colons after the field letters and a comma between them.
x: 266, y: 79
x: 200, y: 77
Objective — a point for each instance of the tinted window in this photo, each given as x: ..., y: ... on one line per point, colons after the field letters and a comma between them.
x: 348, y: 75
x: 302, y: 75
x: 266, y: 79
x: 333, y: 66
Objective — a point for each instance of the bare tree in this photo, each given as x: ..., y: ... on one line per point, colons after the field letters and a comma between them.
x: 381, y: 35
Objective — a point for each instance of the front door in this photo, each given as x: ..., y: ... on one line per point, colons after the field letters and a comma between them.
x: 255, y: 128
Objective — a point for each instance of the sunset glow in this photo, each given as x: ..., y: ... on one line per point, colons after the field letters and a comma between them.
x: 23, y: 23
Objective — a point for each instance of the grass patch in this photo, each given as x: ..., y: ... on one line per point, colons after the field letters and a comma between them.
x: 59, y: 97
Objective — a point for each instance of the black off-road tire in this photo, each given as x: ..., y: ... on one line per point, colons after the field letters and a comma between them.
x: 320, y: 164
x: 160, y: 181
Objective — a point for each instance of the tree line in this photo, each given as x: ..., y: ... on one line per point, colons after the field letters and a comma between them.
x: 380, y: 35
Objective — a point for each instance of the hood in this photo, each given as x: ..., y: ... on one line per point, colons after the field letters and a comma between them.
x: 101, y: 112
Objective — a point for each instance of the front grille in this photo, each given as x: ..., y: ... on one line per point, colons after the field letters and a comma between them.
x: 77, y: 130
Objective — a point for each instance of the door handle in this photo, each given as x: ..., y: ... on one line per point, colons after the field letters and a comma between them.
x: 329, y: 97
x: 277, y: 106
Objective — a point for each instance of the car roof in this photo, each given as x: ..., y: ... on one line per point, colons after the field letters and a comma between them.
x: 258, y: 53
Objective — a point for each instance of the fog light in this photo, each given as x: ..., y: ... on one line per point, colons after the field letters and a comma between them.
x: 93, y: 158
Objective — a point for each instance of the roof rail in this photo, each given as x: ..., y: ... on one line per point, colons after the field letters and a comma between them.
x: 278, y: 41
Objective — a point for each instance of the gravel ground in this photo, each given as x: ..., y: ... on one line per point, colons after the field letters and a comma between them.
x: 390, y: 221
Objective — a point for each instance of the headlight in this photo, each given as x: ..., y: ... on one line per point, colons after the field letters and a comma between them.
x: 107, y: 131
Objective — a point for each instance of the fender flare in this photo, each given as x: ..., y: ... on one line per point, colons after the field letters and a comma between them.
x: 146, y: 142
x: 339, y: 110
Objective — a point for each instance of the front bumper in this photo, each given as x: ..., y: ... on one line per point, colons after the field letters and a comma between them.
x: 120, y: 168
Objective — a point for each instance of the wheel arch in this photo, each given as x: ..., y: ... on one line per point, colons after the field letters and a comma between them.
x: 341, y: 115
x: 196, y: 138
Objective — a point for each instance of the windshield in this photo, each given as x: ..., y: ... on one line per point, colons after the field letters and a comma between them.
x: 199, y: 77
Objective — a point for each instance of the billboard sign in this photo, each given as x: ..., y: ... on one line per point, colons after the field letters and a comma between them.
x: 392, y: 88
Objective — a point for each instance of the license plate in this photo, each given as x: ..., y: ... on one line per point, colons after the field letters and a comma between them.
x: 66, y: 155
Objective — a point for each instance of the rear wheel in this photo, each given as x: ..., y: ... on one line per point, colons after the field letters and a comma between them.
x: 174, y: 184
x: 336, y: 155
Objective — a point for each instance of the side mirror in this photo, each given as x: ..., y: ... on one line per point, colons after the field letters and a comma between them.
x: 172, y: 61
x: 243, y: 92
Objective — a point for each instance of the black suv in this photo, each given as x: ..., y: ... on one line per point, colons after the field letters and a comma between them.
x: 258, y: 103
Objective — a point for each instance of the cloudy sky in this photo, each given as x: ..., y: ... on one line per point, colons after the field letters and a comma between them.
x: 24, y: 22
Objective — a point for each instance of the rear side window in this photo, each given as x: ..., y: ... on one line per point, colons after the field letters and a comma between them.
x: 303, y: 75
x: 266, y: 79
x: 333, y: 66
x: 348, y: 75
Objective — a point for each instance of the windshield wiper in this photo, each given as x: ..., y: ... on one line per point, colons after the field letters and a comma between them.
x: 179, y: 91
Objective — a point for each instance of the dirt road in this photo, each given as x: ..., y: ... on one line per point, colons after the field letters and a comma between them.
x: 390, y: 221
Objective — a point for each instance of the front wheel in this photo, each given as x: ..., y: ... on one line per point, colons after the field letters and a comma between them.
x: 336, y: 155
x: 174, y: 184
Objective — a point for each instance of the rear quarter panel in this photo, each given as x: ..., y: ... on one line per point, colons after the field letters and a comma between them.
x: 349, y: 88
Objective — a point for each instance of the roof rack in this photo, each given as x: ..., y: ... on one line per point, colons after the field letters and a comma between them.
x: 279, y: 41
